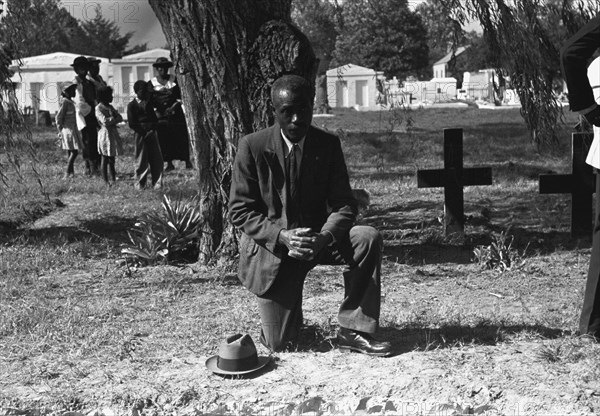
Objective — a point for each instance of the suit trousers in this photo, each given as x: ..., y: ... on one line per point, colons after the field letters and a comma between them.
x: 148, y: 158
x: 589, y: 322
x: 280, y: 306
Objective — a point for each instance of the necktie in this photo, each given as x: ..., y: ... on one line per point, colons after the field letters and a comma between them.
x: 293, y: 170
x: 294, y: 194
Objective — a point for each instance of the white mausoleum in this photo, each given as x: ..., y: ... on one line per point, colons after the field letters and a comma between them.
x: 480, y: 85
x: 353, y: 86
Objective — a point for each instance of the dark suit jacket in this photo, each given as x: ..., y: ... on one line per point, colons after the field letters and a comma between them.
x: 575, y: 56
x: 258, y: 198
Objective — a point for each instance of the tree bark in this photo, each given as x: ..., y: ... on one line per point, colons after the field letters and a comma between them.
x: 226, y: 54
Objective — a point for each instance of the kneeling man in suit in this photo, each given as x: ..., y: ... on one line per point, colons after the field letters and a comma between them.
x: 291, y: 198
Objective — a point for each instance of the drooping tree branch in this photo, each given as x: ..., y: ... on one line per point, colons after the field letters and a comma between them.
x: 15, y: 137
x: 525, y: 53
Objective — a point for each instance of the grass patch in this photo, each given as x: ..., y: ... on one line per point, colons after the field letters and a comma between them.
x: 81, y: 330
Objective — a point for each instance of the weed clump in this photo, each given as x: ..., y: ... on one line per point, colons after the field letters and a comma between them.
x: 168, y: 236
x: 499, y: 254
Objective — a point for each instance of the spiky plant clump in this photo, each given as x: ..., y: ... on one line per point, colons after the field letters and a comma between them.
x: 167, y: 236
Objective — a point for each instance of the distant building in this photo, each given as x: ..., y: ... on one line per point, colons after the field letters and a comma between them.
x: 39, y: 80
x: 353, y: 86
x: 486, y: 86
x: 366, y: 89
x: 440, y: 68
x: 479, y: 85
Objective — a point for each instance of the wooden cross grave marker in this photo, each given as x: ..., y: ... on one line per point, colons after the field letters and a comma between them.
x: 580, y: 183
x: 453, y: 178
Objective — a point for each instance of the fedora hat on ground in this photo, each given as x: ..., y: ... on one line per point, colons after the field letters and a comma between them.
x: 80, y: 61
x: 162, y: 61
x: 237, y: 356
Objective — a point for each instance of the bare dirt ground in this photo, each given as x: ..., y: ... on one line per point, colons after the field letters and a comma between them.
x: 466, y: 341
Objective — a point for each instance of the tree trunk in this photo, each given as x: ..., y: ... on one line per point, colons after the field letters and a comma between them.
x: 226, y: 54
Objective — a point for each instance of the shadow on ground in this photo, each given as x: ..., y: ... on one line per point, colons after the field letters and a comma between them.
x: 526, y: 243
x: 416, y: 254
x: 414, y: 235
x: 112, y: 228
x: 423, y: 339
x: 405, y: 340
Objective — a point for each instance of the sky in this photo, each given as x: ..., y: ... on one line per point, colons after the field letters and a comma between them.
x: 130, y: 15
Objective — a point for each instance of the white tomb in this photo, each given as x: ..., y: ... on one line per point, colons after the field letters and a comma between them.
x: 353, y: 86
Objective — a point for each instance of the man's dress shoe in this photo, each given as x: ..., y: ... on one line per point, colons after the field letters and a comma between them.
x: 350, y: 340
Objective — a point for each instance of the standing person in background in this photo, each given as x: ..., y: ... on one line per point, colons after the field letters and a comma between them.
x: 172, y: 130
x: 86, y: 94
x: 109, y: 141
x: 142, y: 120
x: 575, y: 58
x: 66, y: 122
x: 94, y: 73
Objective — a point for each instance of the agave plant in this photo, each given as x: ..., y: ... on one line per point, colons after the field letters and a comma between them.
x: 169, y: 235
x: 145, y: 246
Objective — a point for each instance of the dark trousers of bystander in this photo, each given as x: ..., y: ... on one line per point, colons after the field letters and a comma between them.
x: 89, y: 136
x: 173, y: 139
x: 148, y: 158
x: 108, y: 169
x: 590, y: 315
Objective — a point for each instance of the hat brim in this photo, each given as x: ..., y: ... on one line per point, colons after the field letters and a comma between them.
x: 163, y: 65
x: 211, y: 364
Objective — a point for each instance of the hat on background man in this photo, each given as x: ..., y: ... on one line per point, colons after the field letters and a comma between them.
x: 237, y: 356
x: 93, y: 60
x: 162, y: 62
x: 80, y: 61
x: 69, y: 90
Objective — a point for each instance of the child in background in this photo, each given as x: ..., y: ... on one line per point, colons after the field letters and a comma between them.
x: 66, y: 122
x: 143, y: 121
x: 109, y: 141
